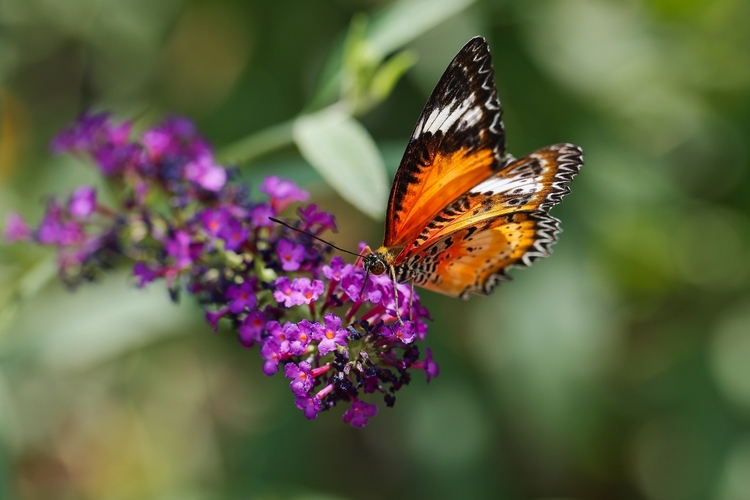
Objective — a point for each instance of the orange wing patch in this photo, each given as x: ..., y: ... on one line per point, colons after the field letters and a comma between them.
x: 474, y: 259
x: 446, y: 180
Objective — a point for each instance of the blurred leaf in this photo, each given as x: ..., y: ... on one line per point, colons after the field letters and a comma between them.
x: 342, y: 150
x: 389, y: 31
x: 98, y: 323
x: 364, y: 81
x: 355, y: 48
x: 405, y: 21
x: 36, y: 277
x: 27, y: 285
x: 390, y: 73
x: 730, y: 352
x: 358, y: 63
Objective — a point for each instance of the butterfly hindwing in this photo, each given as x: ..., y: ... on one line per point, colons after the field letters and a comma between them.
x: 457, y: 143
x: 474, y: 259
x: 535, y: 183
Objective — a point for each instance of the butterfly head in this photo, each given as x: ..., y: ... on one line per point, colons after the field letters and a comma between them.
x: 374, y: 263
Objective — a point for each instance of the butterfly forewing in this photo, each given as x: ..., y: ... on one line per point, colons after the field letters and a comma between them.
x: 458, y: 142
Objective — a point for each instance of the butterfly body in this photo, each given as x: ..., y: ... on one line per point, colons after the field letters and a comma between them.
x: 462, y: 210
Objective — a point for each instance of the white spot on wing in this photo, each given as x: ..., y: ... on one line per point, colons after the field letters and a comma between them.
x: 443, y: 118
x: 498, y: 185
x: 472, y: 117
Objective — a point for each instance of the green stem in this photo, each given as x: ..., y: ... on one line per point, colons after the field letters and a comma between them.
x: 258, y: 144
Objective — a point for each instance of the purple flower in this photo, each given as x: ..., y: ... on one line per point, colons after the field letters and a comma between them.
x: 260, y: 214
x: 15, y: 228
x: 302, y: 381
x: 234, y: 235
x: 404, y: 332
x: 271, y: 353
x: 285, y: 293
x: 279, y: 335
x: 282, y: 192
x: 431, y: 369
x: 241, y: 297
x: 156, y: 142
x: 290, y: 255
x: 177, y: 203
x: 180, y: 127
x: 83, y: 202
x: 299, y: 291
x: 308, y: 291
x: 144, y: 274
x: 290, y: 334
x: 358, y: 414
x: 213, y: 220
x: 50, y: 228
x: 251, y: 329
x: 314, y: 220
x: 207, y: 174
x: 353, y: 287
x: 71, y: 233
x: 299, y: 336
x: 83, y: 135
x: 110, y: 159
x: 213, y: 317
x: 182, y: 248
x: 311, y: 406
x: 338, y: 270
x: 331, y: 335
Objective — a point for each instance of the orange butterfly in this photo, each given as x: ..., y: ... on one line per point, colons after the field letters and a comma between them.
x: 462, y: 210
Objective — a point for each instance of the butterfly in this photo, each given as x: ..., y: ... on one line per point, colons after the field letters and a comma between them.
x: 462, y: 211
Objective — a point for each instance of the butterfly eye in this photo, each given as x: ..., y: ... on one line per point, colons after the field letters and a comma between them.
x: 374, y: 264
x: 378, y: 268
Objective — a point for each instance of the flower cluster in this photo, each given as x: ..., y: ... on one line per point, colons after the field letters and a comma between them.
x: 334, y: 332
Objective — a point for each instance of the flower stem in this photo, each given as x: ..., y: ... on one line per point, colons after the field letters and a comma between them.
x: 258, y: 144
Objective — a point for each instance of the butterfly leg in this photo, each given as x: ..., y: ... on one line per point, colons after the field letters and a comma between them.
x: 411, y: 300
x: 364, y: 284
x: 392, y: 269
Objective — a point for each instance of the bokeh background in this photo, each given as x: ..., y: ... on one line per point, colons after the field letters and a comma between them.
x: 619, y: 368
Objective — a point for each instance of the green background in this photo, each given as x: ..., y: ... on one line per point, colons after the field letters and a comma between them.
x: 619, y: 368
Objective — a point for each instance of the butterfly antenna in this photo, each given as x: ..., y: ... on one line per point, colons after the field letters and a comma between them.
x: 279, y: 221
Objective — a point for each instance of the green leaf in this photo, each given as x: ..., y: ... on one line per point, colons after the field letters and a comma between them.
x: 406, y: 20
x: 342, y: 150
x: 390, y: 72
